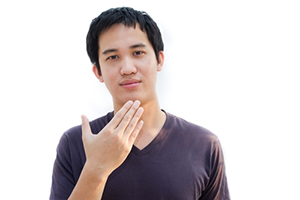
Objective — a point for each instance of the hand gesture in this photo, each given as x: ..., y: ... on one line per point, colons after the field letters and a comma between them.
x: 108, y: 149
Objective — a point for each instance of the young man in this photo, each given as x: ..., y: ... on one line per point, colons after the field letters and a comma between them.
x: 138, y: 151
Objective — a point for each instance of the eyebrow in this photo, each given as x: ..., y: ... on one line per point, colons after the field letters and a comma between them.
x: 109, y: 51
x: 131, y: 47
x: 137, y: 45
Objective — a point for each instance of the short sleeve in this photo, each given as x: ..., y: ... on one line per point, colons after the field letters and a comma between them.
x: 62, y: 178
x: 217, y: 188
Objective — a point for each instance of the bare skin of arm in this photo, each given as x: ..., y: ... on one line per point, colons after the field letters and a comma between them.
x: 106, y: 150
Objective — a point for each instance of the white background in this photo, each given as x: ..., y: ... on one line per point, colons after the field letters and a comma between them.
x: 231, y: 66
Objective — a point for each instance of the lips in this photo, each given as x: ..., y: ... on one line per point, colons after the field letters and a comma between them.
x: 130, y: 84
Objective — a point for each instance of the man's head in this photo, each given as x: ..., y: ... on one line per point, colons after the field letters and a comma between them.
x: 128, y: 17
x: 126, y: 49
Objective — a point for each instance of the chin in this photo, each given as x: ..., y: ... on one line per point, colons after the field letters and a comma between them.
x: 124, y: 99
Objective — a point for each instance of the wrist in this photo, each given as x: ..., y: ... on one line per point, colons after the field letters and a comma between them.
x: 91, y: 183
x: 95, y: 172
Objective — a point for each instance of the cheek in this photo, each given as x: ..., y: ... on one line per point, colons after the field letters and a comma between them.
x: 148, y: 66
x: 109, y: 77
x: 107, y: 71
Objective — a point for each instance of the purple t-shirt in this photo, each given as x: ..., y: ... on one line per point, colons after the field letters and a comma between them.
x: 183, y: 162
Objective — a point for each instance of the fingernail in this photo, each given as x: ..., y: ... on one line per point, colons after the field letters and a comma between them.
x: 141, y: 110
x: 83, y: 118
x: 141, y: 123
x: 137, y: 102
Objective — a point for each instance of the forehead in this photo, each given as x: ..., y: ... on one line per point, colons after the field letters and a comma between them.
x: 121, y: 36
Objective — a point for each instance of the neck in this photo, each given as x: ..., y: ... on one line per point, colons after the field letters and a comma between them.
x: 152, y: 116
x: 154, y: 120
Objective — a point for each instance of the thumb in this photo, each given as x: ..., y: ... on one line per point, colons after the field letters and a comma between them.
x: 86, y: 129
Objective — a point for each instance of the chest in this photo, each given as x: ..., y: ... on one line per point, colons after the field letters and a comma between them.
x: 170, y: 177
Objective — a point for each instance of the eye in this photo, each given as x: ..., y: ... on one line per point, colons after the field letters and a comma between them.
x: 114, y: 57
x: 138, y: 53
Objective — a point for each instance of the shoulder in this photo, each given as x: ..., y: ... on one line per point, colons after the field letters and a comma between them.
x: 72, y: 138
x: 96, y: 126
x: 194, y: 137
x: 187, y: 128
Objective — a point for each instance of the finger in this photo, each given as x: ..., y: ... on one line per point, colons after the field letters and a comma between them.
x: 128, y: 116
x: 86, y: 129
x: 120, y: 114
x: 135, y: 132
x: 132, y: 124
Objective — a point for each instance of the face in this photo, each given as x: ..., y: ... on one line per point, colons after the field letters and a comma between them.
x: 128, y: 64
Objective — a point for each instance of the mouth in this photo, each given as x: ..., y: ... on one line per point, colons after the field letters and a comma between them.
x: 130, y: 84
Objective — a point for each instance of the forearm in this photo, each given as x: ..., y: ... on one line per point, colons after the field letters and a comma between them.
x: 90, y: 185
x: 106, y: 150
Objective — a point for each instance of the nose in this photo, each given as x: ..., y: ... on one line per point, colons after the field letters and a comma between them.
x: 128, y: 67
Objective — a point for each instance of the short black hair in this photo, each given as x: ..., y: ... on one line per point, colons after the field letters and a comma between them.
x: 128, y: 17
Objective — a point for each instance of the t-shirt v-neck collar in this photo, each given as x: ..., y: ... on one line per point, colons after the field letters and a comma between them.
x: 159, y: 137
x: 151, y: 146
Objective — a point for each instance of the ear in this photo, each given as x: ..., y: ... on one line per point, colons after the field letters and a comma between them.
x: 161, y: 59
x: 98, y: 74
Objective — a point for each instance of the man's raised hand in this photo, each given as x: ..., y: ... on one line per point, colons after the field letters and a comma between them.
x: 108, y: 149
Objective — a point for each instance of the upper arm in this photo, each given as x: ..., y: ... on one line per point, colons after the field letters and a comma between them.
x: 217, y: 188
x: 62, y: 178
